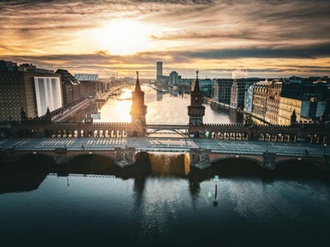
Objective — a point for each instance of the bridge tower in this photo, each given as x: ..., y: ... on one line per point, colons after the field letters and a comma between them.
x: 138, y: 108
x: 196, y: 110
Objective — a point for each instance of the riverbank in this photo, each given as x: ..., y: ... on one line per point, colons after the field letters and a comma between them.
x: 255, y: 119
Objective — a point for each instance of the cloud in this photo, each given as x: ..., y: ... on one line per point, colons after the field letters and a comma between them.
x: 187, y: 31
x: 175, y: 1
x: 239, y: 74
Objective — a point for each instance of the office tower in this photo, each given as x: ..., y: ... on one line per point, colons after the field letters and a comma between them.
x: 159, y: 71
x: 174, y: 79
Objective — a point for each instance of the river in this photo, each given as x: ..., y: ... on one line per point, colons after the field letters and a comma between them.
x: 137, y: 206
x: 164, y: 108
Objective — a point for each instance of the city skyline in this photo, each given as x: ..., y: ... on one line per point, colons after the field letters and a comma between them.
x: 218, y: 38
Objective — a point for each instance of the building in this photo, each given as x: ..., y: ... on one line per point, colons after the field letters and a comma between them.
x: 28, y: 88
x: 207, y: 87
x: 71, y: 88
x: 86, y: 77
x: 259, y: 102
x: 237, y: 94
x: 222, y: 90
x: 138, y: 108
x: 90, y: 84
x: 174, y: 78
x: 311, y: 96
x: 312, y: 109
x: 289, y: 107
x: 273, y: 101
x: 48, y: 94
x: 8, y: 66
x: 248, y: 98
x: 159, y: 71
x: 196, y: 110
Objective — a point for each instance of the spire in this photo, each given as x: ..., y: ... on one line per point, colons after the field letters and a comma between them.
x: 196, y: 88
x: 293, y: 117
x: 137, y: 84
x: 22, y: 110
x: 48, y: 115
x: 324, y: 117
x: 23, y: 115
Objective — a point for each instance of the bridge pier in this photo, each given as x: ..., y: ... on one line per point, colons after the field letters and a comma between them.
x: 199, y: 158
x: 269, y: 160
x: 326, y: 165
x: 60, y: 156
x: 125, y: 156
x: 7, y: 155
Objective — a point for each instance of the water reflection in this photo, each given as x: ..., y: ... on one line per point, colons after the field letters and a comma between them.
x: 28, y: 174
x: 137, y: 207
x: 164, y: 108
x: 160, y: 209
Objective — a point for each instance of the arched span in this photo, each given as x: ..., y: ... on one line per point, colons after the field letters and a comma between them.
x: 72, y: 157
x: 242, y: 157
x: 28, y: 156
x: 294, y: 160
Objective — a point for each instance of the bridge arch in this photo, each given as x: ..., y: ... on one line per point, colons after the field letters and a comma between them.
x: 295, y: 161
x: 71, y: 158
x: 35, y: 155
x: 242, y: 157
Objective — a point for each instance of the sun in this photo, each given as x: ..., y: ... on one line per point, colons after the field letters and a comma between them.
x: 124, y: 37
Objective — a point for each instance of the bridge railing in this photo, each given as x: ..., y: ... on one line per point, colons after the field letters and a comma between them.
x: 258, y: 152
x: 167, y: 124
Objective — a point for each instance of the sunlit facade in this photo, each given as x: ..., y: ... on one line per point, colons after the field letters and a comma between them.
x: 287, y: 107
x: 48, y: 94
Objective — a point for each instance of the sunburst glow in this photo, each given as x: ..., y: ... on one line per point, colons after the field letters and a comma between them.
x: 124, y: 37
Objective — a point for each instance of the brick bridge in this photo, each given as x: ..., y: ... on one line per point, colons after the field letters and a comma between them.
x: 203, y: 158
x: 197, y: 157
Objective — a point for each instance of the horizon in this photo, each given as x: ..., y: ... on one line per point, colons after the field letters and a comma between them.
x: 221, y: 39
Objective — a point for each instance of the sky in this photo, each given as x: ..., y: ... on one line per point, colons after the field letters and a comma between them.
x: 219, y: 38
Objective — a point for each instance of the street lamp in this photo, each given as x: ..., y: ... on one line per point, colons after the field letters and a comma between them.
x: 325, y: 146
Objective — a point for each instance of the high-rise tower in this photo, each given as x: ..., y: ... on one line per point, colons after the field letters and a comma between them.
x: 138, y: 108
x: 159, y: 71
x: 196, y: 110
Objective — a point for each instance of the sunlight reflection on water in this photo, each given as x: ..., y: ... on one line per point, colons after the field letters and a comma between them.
x: 161, y: 108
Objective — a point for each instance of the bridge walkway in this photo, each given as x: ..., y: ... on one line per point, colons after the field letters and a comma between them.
x: 165, y: 145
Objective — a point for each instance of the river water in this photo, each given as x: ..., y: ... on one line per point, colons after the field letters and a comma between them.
x: 137, y: 206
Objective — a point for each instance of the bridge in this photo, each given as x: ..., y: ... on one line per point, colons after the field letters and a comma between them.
x: 201, y: 144
x: 200, y: 153
x: 181, y: 129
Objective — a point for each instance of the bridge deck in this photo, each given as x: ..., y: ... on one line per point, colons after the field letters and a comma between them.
x: 165, y: 145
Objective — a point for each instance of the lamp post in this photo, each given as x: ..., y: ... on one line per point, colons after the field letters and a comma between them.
x: 325, y: 146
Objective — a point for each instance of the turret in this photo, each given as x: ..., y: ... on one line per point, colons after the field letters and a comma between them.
x: 293, y: 118
x: 196, y: 110
x: 23, y: 115
x: 48, y: 116
x: 138, y: 108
